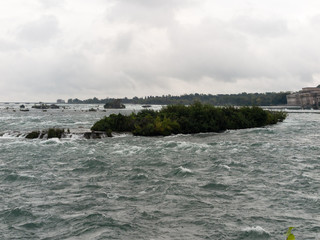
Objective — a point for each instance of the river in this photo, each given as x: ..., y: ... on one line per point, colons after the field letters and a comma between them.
x: 239, y: 184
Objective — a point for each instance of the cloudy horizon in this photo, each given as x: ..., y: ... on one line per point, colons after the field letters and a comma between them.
x: 52, y: 49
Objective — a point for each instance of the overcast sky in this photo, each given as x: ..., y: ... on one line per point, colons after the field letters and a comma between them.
x: 53, y: 49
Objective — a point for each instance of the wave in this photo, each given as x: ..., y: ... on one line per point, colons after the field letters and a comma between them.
x: 12, y: 135
x: 225, y: 167
x: 16, y: 213
x: 19, y: 177
x: 139, y: 176
x: 67, y: 136
x: 79, y: 123
x: 179, y: 172
x: 184, y: 170
x: 215, y: 186
x: 256, y: 232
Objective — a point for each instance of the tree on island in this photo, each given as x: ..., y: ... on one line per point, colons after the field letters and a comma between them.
x: 241, y: 99
x: 196, y: 118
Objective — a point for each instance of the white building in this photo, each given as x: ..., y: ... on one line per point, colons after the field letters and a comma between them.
x: 307, y: 97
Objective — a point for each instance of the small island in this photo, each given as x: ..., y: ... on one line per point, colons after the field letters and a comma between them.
x: 44, y: 106
x: 196, y: 118
x: 114, y: 104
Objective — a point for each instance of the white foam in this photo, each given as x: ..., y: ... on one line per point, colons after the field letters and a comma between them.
x: 121, y: 135
x: 184, y: 170
x: 52, y: 140
x: 74, y: 136
x: 256, y: 229
x: 78, y: 123
x: 124, y: 150
x: 91, y: 151
x: 11, y: 136
x: 226, y: 167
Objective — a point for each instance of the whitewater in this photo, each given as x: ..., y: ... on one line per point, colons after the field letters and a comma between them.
x: 239, y: 184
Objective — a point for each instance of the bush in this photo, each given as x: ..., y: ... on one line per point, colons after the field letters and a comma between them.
x: 195, y: 118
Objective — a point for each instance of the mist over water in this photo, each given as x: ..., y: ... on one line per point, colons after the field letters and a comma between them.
x: 243, y: 184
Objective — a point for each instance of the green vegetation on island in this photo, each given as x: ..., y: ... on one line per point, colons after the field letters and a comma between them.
x: 241, y: 99
x: 196, y: 118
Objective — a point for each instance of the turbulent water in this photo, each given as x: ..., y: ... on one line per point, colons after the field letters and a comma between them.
x: 243, y: 184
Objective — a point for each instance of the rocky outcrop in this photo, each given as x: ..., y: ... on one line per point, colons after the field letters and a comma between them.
x: 115, y: 104
x: 45, y: 106
x: 96, y: 134
x: 47, y: 134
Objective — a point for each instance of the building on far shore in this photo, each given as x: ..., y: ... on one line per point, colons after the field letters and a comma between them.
x: 308, y: 97
x: 61, y: 101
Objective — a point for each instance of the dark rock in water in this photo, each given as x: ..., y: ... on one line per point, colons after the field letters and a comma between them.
x: 115, y: 104
x: 55, y: 133
x: 96, y: 134
x: 45, y: 106
x: 49, y: 133
x: 146, y: 106
x: 92, y: 110
x: 40, y: 106
x: 33, y: 135
x: 53, y: 106
x: 23, y: 108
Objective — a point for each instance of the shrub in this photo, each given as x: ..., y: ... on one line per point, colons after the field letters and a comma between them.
x: 195, y: 118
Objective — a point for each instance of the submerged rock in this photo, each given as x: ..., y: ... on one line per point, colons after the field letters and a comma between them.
x: 54, y: 106
x: 40, y: 106
x: 96, y: 134
x: 33, y: 135
x: 48, y: 133
x: 45, y: 106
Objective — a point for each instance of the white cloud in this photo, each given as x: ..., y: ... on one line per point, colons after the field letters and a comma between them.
x: 116, y: 48
x: 39, y: 31
x: 52, y: 3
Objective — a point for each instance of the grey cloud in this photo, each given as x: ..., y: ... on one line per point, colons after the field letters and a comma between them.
x: 52, y: 3
x: 145, y: 51
x: 7, y: 46
x: 123, y: 42
x: 146, y: 12
x: 245, y: 47
x: 41, y: 30
x: 219, y: 51
x: 260, y: 27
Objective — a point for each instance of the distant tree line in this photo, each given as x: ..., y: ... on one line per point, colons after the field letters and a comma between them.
x: 242, y: 99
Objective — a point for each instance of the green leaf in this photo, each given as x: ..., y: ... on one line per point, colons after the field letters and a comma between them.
x: 290, y: 236
x: 289, y: 231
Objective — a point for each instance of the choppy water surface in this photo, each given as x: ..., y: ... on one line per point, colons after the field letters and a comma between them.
x: 244, y: 184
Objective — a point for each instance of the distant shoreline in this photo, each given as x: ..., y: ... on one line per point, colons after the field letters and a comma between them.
x: 240, y: 99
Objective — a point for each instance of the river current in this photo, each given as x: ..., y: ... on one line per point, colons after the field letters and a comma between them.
x: 239, y: 184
